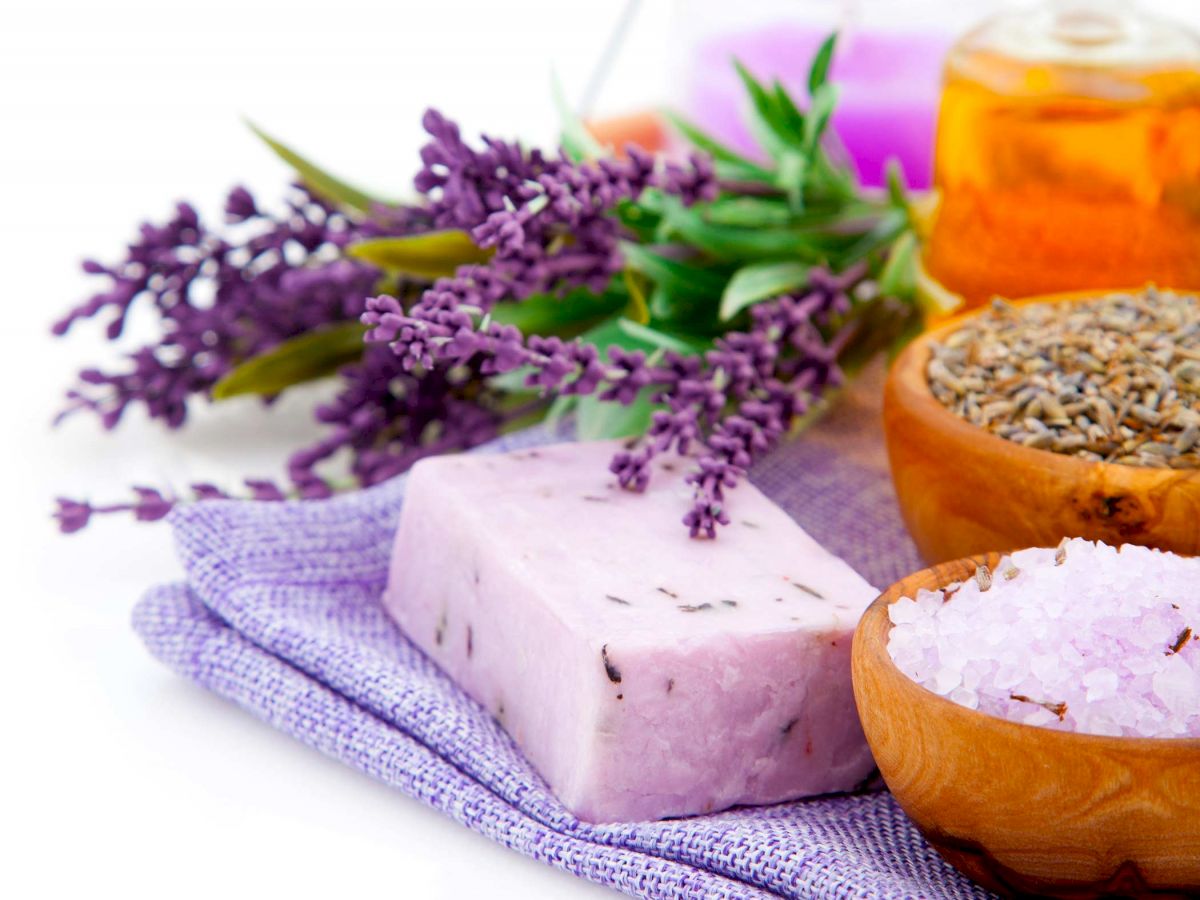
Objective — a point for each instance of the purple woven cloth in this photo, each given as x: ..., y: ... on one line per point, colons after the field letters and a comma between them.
x: 280, y: 613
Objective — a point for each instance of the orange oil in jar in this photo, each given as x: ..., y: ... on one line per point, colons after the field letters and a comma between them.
x: 1067, y: 175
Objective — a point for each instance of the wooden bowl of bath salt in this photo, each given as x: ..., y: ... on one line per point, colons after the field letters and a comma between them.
x: 1020, y: 809
x: 965, y: 489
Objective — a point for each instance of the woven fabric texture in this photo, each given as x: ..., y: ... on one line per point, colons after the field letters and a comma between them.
x: 280, y: 613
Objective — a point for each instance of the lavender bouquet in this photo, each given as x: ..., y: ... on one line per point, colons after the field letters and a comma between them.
x: 704, y: 306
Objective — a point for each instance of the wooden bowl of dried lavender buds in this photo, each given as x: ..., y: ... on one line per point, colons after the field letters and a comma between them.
x: 1026, y: 810
x: 1073, y: 415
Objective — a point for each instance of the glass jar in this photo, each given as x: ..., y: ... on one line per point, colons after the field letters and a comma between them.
x: 1068, y: 154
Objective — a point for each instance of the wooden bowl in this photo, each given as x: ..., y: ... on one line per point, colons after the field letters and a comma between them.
x: 963, y: 490
x: 1025, y: 810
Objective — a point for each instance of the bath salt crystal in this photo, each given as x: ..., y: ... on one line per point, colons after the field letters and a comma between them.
x: 1100, y: 684
x: 1083, y: 637
x: 1177, y: 686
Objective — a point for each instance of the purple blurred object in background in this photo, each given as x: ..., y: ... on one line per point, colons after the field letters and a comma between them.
x: 888, y: 67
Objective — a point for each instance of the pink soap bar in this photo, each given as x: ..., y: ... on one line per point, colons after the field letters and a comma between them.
x: 644, y: 673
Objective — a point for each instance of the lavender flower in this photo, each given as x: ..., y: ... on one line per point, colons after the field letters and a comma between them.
x: 548, y: 220
x: 426, y: 380
x: 739, y: 402
x: 736, y: 402
x: 148, y: 505
x: 388, y: 419
x: 220, y: 301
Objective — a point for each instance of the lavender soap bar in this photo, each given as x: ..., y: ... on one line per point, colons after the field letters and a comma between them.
x: 644, y: 674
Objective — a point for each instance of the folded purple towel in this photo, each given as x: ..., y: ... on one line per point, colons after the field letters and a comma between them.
x: 281, y: 614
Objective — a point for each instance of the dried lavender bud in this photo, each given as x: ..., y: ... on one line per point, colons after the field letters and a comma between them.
x: 808, y: 590
x: 1059, y: 709
x: 983, y: 577
x: 1112, y: 379
x: 613, y: 673
x: 1180, y: 641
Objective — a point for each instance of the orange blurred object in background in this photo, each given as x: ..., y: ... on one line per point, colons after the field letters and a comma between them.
x: 645, y: 129
x: 1073, y: 173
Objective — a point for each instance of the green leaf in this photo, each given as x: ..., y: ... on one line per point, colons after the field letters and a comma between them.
x: 316, y: 178
x: 610, y: 333
x: 817, y: 120
x: 789, y: 113
x: 599, y: 420
x: 678, y: 277
x: 729, y: 242
x: 641, y: 217
x: 890, y: 226
x: 560, y: 407
x: 637, y: 310
x: 690, y: 315
x: 434, y: 254
x: 896, y: 184
x: 899, y: 275
x: 766, y: 121
x: 760, y: 281
x: 303, y: 358
x: 791, y: 177
x: 663, y: 340
x: 752, y: 212
x: 818, y: 74
x: 832, y: 182
x: 716, y: 149
x: 561, y: 316
x: 737, y: 173
x: 513, y: 382
x: 577, y: 142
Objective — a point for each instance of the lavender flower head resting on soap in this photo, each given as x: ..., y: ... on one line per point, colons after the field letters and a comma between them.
x: 734, y: 403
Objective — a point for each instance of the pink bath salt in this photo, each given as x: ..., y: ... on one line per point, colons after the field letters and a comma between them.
x: 1084, y: 637
x: 643, y: 673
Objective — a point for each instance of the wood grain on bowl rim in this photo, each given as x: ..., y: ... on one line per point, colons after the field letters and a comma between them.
x: 1022, y: 809
x: 963, y: 490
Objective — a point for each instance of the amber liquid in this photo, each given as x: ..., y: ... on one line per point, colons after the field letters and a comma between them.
x: 1055, y: 179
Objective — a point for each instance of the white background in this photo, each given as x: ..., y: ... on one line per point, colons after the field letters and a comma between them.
x: 116, y: 776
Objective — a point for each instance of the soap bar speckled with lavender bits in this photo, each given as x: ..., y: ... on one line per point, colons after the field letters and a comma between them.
x: 644, y: 673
